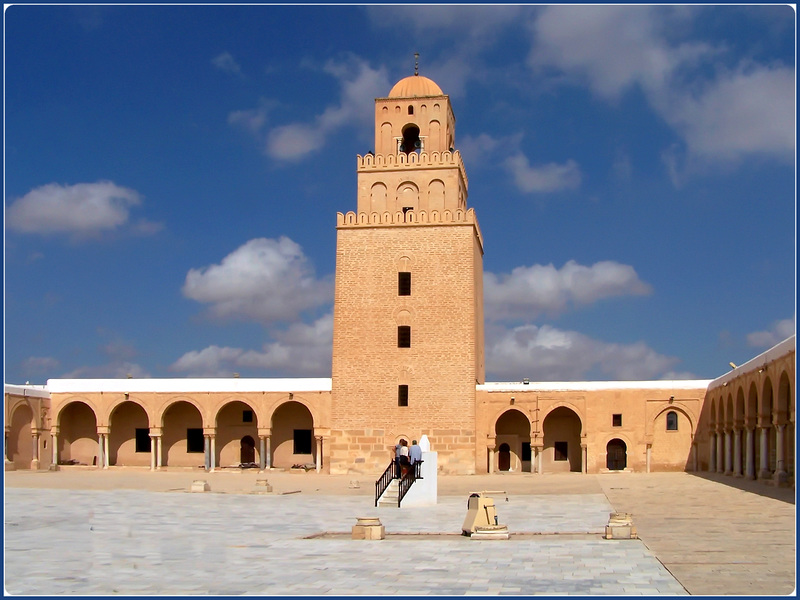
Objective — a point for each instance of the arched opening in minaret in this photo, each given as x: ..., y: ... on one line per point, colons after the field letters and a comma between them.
x: 411, y: 142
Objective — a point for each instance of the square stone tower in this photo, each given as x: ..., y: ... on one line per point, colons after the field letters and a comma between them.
x: 408, y: 308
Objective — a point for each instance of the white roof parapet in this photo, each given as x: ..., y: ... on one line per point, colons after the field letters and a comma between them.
x: 591, y: 386
x: 181, y: 385
x: 36, y: 391
x: 778, y: 350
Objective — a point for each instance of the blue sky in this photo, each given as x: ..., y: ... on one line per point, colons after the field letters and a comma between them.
x: 173, y: 174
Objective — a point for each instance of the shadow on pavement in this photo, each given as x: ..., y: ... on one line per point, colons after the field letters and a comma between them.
x: 761, y: 488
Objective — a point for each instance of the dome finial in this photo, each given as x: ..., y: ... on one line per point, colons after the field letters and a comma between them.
x: 416, y: 63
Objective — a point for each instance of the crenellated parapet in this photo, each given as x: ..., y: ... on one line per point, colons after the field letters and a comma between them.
x: 409, y: 218
x: 402, y: 161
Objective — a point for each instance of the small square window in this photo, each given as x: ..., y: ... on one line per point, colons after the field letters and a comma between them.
x: 402, y: 395
x: 247, y: 416
x: 194, y: 441
x: 561, y: 449
x: 404, y: 284
x: 616, y: 420
x: 404, y: 336
x: 142, y: 439
x: 302, y: 441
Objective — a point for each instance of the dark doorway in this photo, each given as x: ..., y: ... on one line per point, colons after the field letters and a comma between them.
x: 616, y: 455
x: 248, y: 450
x: 504, y: 458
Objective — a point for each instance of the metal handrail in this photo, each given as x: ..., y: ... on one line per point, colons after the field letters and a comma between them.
x: 408, y: 480
x: 384, y: 481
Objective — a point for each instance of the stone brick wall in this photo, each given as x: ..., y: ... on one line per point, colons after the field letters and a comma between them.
x: 439, y: 367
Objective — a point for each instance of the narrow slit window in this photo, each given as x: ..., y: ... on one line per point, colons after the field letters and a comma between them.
x: 402, y: 395
x: 404, y: 336
x: 404, y: 284
x: 616, y: 420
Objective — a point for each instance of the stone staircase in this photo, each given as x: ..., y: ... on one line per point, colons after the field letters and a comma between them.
x: 389, y: 497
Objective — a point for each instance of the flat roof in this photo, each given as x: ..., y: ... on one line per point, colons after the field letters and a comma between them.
x: 592, y: 386
x: 177, y: 385
x: 778, y: 350
x: 36, y: 391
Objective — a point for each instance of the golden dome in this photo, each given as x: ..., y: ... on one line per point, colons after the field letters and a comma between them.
x: 415, y: 86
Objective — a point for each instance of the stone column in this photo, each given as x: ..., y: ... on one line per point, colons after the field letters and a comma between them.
x: 750, y: 455
x: 491, y: 459
x: 728, y: 453
x: 693, y: 450
x: 35, y: 455
x: 720, y: 453
x: 269, y: 451
x: 737, y: 452
x: 318, y: 457
x: 764, y: 472
x: 105, y: 454
x: 262, y: 452
x: 213, y: 454
x: 101, y: 459
x: 54, y: 449
x: 159, y: 457
x: 153, y: 451
x: 647, y: 458
x: 539, y: 467
x: 584, y: 459
x: 206, y: 452
x: 712, y: 452
x: 781, y: 476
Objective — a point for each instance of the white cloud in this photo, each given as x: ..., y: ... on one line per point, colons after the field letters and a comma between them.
x: 548, y: 354
x: 721, y: 114
x: 360, y: 85
x: 301, y: 350
x: 40, y: 364
x: 779, y: 331
x: 530, y: 291
x: 82, y: 210
x: 113, y: 370
x: 750, y: 111
x: 265, y: 280
x: 551, y: 177
x: 226, y: 62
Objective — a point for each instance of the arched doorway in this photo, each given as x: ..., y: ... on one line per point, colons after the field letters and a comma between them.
x: 513, y: 430
x: 235, y: 421
x: 78, y: 439
x: 247, y: 450
x: 129, y: 436
x: 292, y: 435
x: 616, y: 455
x: 183, y: 443
x: 504, y: 458
x: 562, y: 441
x: 20, y: 447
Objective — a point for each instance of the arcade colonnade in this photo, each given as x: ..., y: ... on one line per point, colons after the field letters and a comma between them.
x: 589, y: 427
x: 748, y: 419
x: 161, y: 423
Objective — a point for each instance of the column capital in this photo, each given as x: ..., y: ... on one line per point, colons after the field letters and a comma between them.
x: 210, y: 431
x: 55, y: 430
x: 103, y: 430
x: 264, y: 432
x: 155, y: 432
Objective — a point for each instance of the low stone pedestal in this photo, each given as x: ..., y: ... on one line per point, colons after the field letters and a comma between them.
x: 620, y: 527
x: 490, y: 532
x: 368, y: 528
x: 200, y: 485
x: 262, y: 487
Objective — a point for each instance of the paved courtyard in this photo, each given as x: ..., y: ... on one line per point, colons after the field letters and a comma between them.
x: 139, y: 533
